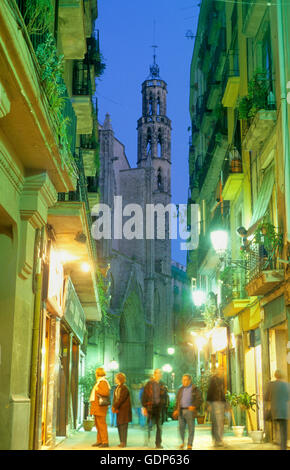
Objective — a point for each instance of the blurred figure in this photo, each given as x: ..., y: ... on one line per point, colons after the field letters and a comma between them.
x: 217, y: 401
x: 136, y: 402
x: 278, y: 396
x: 98, y: 399
x: 188, y: 400
x: 122, y: 407
x: 113, y: 416
x: 154, y: 401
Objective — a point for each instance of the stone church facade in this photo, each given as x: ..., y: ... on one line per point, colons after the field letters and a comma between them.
x: 140, y: 323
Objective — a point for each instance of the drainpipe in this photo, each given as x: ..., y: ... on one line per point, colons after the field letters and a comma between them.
x: 284, y: 112
x: 36, y: 334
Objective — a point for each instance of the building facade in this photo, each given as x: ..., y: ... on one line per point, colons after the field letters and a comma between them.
x: 49, y: 60
x: 239, y: 175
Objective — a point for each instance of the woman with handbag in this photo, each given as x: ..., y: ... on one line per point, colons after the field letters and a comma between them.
x: 100, y: 401
x: 122, y: 406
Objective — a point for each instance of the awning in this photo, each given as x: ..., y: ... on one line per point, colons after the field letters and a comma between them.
x: 263, y: 200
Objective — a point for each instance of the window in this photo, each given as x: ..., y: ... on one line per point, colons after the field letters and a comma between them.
x: 158, y: 105
x: 149, y: 142
x: 159, y: 179
x: 267, y: 62
x: 150, y: 104
x: 159, y: 144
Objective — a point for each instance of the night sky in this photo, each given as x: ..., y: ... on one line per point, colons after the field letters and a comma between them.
x: 126, y: 36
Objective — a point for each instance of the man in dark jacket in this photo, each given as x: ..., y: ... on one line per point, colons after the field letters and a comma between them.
x: 217, y: 402
x: 278, y: 396
x: 188, y: 400
x: 155, y: 400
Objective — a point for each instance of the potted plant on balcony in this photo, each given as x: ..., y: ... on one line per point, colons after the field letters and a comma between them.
x: 257, y: 97
x: 235, y: 161
x: 86, y: 384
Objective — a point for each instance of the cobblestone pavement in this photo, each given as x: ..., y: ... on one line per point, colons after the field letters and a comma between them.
x: 82, y: 440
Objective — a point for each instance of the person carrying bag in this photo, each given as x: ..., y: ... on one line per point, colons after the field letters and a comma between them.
x: 100, y: 401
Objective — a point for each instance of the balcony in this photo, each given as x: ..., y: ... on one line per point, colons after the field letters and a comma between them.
x: 81, y: 99
x: 69, y: 221
x: 252, y: 17
x: 91, y: 13
x: 234, y: 295
x: 212, y: 164
x: 89, y: 153
x: 231, y: 80
x: 72, y: 28
x: 265, y: 270
x: 27, y: 120
x: 260, y: 129
x: 204, y: 54
x: 232, y: 175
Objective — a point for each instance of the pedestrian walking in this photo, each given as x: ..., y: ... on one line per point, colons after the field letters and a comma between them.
x: 155, y: 400
x: 100, y: 401
x: 277, y: 397
x: 217, y: 403
x: 136, y: 402
x: 122, y: 407
x: 188, y: 400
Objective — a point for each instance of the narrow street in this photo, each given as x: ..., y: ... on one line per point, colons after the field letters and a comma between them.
x: 82, y: 440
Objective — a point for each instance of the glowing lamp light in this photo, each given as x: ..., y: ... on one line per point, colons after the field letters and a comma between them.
x: 170, y: 351
x: 66, y: 257
x: 114, y: 365
x: 200, y: 342
x: 85, y: 267
x: 198, y: 297
x: 167, y: 368
x: 219, y: 239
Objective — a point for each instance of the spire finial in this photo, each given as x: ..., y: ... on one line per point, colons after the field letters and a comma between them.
x: 154, y: 69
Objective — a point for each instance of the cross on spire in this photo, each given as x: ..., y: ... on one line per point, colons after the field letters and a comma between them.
x: 154, y: 69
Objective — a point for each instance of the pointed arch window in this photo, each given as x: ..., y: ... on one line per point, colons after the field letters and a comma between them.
x: 159, y: 144
x: 159, y: 180
x: 149, y: 142
x: 150, y: 104
x: 158, y: 105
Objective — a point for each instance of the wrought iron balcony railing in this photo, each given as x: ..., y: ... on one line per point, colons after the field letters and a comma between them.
x: 261, y: 258
x: 233, y: 285
x: 232, y: 164
x: 81, y: 79
x: 88, y: 142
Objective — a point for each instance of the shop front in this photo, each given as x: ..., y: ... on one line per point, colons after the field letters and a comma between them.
x: 72, y: 334
x: 253, y: 370
x: 53, y: 296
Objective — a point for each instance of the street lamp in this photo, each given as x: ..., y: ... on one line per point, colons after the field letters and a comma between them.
x: 113, y: 366
x: 170, y: 351
x: 199, y: 297
x: 219, y: 239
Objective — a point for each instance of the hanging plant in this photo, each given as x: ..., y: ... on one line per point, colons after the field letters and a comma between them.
x: 258, y: 91
x: 51, y: 76
x: 39, y: 15
x: 266, y: 235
